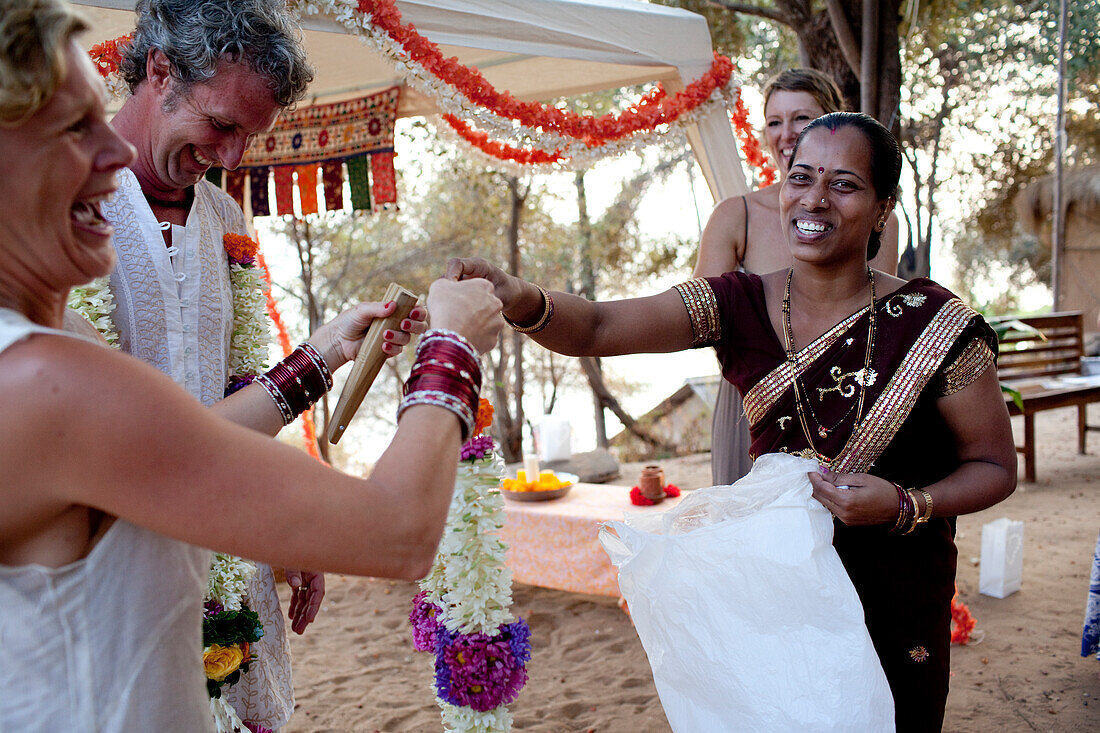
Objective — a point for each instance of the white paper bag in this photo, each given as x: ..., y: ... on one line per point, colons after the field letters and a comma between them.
x: 555, y: 439
x: 745, y: 611
x: 1002, y: 569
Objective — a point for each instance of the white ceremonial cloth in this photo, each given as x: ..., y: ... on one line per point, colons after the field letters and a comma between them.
x: 106, y: 643
x: 174, y: 310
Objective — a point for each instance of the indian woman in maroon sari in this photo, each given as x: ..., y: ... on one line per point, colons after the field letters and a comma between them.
x: 889, y: 385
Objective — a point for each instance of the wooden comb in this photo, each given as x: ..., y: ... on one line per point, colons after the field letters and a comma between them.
x: 369, y: 360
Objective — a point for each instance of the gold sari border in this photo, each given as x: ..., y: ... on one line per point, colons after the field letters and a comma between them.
x: 893, y: 406
x: 764, y: 394
x: 965, y: 370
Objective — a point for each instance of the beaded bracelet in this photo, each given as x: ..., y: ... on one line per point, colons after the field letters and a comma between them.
x: 446, y: 374
x: 297, y: 381
x: 547, y: 314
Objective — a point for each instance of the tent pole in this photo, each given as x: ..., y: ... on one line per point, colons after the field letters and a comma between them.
x: 1058, y: 214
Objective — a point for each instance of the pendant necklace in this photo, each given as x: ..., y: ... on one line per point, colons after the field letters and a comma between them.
x: 793, y: 360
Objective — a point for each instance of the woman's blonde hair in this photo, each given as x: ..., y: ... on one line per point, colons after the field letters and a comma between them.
x: 818, y: 85
x: 33, y: 35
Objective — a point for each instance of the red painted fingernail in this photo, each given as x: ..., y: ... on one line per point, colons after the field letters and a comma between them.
x: 387, y: 305
x: 406, y: 325
x: 387, y: 334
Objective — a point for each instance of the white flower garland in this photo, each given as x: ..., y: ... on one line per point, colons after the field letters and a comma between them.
x: 96, y: 303
x: 465, y: 720
x: 469, y: 579
x: 227, y: 582
x: 251, y: 335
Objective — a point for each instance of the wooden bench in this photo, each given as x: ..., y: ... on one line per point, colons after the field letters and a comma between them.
x: 1038, y: 367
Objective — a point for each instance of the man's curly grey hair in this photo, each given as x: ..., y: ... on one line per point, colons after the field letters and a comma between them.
x: 196, y: 35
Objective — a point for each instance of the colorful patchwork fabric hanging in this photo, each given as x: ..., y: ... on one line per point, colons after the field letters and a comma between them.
x: 306, y: 178
x: 257, y: 187
x: 234, y: 185
x: 332, y: 177
x: 384, y: 177
x: 329, y: 136
x: 284, y: 190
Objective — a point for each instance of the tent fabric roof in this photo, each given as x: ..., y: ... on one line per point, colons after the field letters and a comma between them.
x: 535, y: 49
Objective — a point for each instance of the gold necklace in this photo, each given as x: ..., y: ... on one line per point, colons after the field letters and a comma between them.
x: 792, y: 359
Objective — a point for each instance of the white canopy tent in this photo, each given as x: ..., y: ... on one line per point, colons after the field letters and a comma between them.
x: 535, y: 49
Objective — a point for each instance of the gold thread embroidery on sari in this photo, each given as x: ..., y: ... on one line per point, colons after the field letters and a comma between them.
x: 965, y: 370
x: 913, y: 300
x: 764, y: 393
x: 899, y: 396
x: 860, y: 377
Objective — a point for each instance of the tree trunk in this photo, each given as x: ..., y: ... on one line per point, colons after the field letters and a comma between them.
x: 587, y: 270
x: 604, y: 398
x: 508, y: 416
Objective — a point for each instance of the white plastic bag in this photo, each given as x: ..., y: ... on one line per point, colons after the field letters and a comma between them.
x: 1002, y: 570
x: 746, y: 613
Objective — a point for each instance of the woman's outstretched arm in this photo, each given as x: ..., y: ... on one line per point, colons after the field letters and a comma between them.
x: 88, y: 427
x: 580, y: 327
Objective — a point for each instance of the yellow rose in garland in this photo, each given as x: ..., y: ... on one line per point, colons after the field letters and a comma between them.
x: 221, y: 661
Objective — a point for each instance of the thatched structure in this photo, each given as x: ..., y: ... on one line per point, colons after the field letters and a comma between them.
x: 1080, y: 270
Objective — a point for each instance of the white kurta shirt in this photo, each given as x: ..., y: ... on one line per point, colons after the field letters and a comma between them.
x: 174, y: 310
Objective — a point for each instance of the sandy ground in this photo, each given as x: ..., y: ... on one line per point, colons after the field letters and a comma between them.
x: 355, y: 669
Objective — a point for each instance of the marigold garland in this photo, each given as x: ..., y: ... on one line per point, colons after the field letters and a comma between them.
x: 962, y: 623
x: 502, y: 151
x: 750, y: 145
x: 652, y: 109
x: 107, y: 57
x: 555, y: 135
x: 309, y: 428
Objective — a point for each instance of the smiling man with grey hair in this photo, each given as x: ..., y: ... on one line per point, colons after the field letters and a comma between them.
x: 205, y: 76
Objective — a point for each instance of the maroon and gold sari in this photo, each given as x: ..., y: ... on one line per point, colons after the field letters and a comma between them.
x: 928, y: 344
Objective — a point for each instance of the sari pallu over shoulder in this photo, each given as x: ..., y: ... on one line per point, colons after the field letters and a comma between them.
x: 923, y: 333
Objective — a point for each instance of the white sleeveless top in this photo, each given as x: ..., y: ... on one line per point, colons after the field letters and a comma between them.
x: 107, y: 643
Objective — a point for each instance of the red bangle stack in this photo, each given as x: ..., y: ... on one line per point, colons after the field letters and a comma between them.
x: 446, y: 374
x: 297, y: 381
x: 908, y: 512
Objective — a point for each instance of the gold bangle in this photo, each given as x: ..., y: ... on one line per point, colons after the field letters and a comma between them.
x: 914, y: 520
x: 547, y: 312
x: 927, y: 507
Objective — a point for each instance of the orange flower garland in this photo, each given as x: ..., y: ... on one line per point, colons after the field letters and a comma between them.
x: 308, y: 427
x: 503, y: 151
x: 484, y: 416
x: 962, y: 623
x: 750, y: 145
x: 240, y: 247
x: 653, y: 109
x: 107, y: 56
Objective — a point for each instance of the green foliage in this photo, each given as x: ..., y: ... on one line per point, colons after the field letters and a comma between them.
x: 232, y: 627
x: 760, y: 47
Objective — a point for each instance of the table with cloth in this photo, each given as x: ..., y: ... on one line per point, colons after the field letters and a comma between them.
x: 554, y: 544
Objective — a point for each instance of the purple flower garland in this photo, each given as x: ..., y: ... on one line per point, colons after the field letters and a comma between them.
x: 477, y: 671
